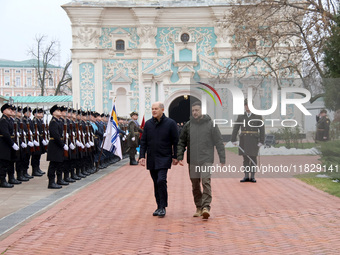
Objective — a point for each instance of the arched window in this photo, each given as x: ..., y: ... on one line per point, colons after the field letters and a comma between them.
x: 120, y: 45
x: 185, y: 37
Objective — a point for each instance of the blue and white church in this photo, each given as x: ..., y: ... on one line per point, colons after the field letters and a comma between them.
x: 137, y: 52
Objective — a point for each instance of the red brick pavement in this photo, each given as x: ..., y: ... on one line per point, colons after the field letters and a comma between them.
x: 114, y: 216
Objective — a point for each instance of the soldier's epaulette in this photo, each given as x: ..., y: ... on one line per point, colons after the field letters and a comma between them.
x: 53, y: 120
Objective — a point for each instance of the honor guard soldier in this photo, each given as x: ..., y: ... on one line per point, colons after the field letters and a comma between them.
x: 251, y: 138
x: 133, y: 137
x: 28, y: 127
x: 56, y: 148
x: 19, y: 164
x: 7, y: 145
x: 36, y: 155
x: 16, y: 155
x: 322, y: 126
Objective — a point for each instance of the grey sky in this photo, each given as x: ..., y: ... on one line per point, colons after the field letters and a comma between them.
x: 22, y: 20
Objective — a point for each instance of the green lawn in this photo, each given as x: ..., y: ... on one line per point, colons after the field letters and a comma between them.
x: 325, y: 184
x: 300, y: 145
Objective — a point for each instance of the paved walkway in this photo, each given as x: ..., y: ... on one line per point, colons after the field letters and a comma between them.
x: 113, y: 215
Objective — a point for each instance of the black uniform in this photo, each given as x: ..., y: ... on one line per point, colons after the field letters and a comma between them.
x: 55, y: 151
x: 36, y: 155
x: 7, y: 152
x: 250, y: 136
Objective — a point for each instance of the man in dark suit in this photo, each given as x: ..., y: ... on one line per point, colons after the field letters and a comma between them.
x: 251, y: 138
x: 159, y: 141
x: 56, y: 147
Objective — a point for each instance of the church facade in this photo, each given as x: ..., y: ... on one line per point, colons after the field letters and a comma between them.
x: 134, y: 53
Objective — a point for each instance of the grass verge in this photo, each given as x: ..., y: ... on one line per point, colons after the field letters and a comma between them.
x: 324, y: 184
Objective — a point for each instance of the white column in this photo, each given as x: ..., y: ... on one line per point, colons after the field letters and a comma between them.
x: 98, y: 85
x: 75, y: 82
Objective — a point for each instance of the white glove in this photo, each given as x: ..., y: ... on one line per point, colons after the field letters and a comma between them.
x: 235, y: 143
x: 123, y: 138
x: 259, y: 144
x: 104, y: 135
x: 18, y: 134
x: 74, y: 134
x: 79, y: 144
x: 36, y: 143
x: 47, y: 141
x: 15, y: 147
x: 65, y: 147
x: 30, y: 144
x: 87, y: 145
x: 82, y: 146
x: 72, y: 147
x: 38, y: 132
x: 44, y: 142
x: 24, y: 132
x: 23, y: 145
x: 133, y: 139
x: 66, y: 135
x: 91, y: 143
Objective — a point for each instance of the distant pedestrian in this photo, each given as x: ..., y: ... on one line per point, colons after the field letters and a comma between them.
x: 322, y: 126
x: 159, y: 141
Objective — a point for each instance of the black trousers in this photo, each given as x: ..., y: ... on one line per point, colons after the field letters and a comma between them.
x: 35, y: 161
x: 249, y: 166
x: 159, y: 177
x: 132, y: 153
x: 53, y: 169
x: 4, y: 167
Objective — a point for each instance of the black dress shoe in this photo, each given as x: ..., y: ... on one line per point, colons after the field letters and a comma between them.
x: 133, y: 162
x: 36, y: 173
x: 22, y: 178
x: 62, y: 182
x: 252, y: 180
x: 161, y: 212
x: 156, y: 213
x: 41, y: 171
x: 54, y: 186
x: 75, y: 177
x: 28, y: 176
x: 14, y: 181
x: 68, y: 179
x: 5, y: 184
x: 245, y: 180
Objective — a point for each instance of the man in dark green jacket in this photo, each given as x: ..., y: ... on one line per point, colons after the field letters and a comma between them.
x: 200, y: 136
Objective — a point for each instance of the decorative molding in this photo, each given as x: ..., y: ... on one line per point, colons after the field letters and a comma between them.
x: 87, y: 88
x: 87, y: 36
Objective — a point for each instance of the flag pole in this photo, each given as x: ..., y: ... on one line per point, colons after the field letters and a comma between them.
x: 101, y: 150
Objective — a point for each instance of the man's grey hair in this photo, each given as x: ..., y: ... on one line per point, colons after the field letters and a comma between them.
x: 160, y: 104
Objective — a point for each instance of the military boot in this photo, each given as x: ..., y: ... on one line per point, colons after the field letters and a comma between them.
x: 12, y: 180
x: 4, y: 183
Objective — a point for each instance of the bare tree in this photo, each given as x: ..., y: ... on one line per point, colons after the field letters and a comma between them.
x: 282, y: 39
x: 45, y: 55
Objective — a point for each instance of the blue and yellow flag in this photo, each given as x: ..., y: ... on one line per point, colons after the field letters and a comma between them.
x: 112, y: 140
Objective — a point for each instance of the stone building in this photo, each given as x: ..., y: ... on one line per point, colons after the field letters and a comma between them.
x: 19, y: 78
x: 138, y: 52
